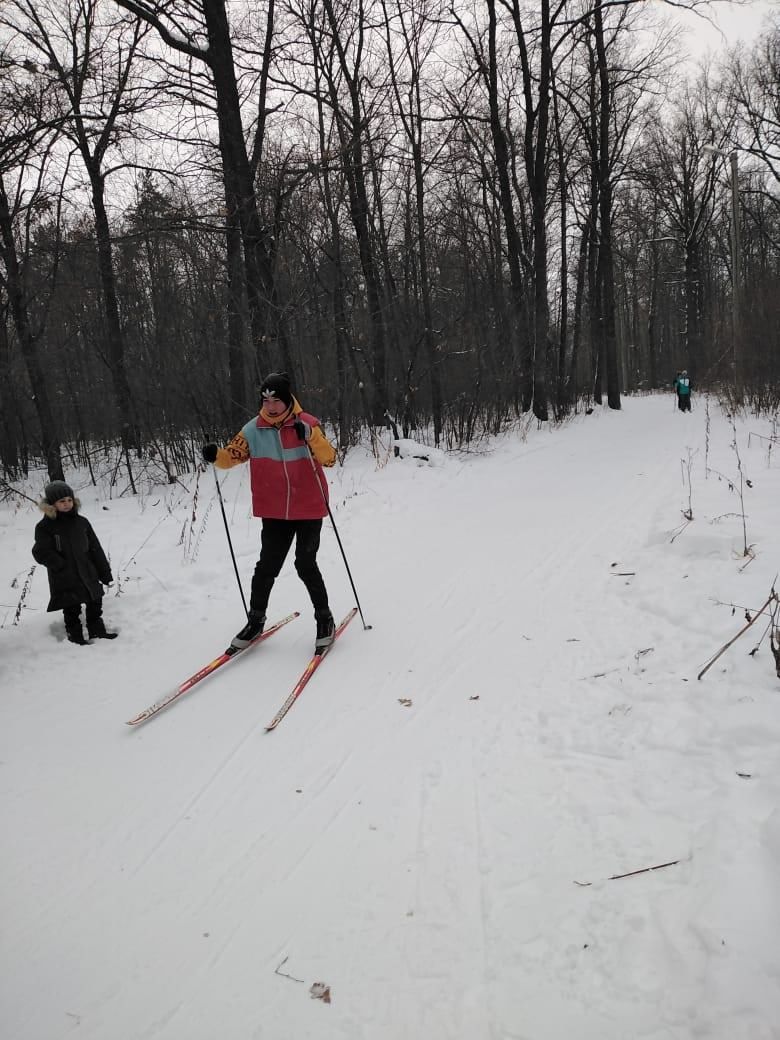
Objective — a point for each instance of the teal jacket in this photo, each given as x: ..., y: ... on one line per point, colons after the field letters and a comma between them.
x: 682, y: 385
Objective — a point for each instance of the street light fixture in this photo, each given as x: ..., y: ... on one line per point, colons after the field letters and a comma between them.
x: 735, y: 249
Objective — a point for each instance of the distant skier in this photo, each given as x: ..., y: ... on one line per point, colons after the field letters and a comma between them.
x: 289, y: 494
x: 68, y: 548
x: 683, y: 386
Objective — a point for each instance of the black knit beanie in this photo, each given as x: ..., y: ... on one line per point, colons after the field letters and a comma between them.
x: 277, y: 385
x: 56, y: 490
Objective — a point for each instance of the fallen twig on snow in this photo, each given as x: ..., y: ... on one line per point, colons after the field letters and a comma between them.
x: 284, y: 974
x: 599, y: 675
x: 751, y: 620
x: 644, y: 870
x: 632, y: 873
x: 679, y: 531
x: 624, y: 574
x: 750, y: 557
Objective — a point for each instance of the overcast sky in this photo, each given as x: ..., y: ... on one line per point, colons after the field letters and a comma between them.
x: 726, y: 22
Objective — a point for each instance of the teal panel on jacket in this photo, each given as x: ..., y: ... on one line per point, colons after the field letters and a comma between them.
x: 265, y: 442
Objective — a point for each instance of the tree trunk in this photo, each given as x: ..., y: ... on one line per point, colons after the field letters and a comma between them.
x: 536, y: 166
x: 239, y: 184
x: 606, y: 260
x: 562, y: 398
x: 351, y: 129
x: 579, y: 295
x: 115, y: 351
x: 237, y: 405
x: 50, y: 435
x: 9, y: 441
x: 521, y: 355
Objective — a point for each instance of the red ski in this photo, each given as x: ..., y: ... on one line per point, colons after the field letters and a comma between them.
x: 308, y: 672
x: 229, y: 655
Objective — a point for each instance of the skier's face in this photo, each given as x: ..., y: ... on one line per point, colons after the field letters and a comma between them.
x: 273, y: 406
x: 63, y: 505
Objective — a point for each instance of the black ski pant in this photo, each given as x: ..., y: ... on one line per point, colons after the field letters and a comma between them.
x: 684, y: 402
x: 275, y: 541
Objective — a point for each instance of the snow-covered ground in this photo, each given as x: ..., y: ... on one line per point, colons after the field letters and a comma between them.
x: 434, y: 829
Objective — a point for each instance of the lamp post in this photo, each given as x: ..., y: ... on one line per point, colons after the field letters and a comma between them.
x: 735, y: 252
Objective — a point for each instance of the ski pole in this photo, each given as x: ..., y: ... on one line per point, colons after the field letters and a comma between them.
x: 230, y: 543
x: 336, y: 532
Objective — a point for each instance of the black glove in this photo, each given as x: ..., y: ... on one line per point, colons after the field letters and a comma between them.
x: 210, y: 452
x: 302, y: 429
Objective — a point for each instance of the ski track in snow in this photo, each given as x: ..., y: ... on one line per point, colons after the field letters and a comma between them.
x: 443, y: 865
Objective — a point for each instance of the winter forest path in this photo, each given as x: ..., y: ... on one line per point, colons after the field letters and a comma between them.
x: 430, y: 831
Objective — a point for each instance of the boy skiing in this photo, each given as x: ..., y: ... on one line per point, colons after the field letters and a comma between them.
x: 68, y: 548
x: 286, y: 450
x: 682, y: 385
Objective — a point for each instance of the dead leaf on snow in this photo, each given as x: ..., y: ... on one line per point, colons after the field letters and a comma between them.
x: 406, y: 701
x: 320, y: 991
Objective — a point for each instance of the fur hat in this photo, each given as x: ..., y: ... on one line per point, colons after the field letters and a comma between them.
x: 277, y: 385
x: 56, y: 490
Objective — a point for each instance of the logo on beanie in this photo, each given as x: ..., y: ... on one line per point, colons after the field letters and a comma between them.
x: 276, y: 387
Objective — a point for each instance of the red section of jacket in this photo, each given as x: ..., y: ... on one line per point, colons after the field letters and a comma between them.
x: 284, y: 487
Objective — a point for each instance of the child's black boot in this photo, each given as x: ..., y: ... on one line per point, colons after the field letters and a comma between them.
x: 75, y: 633
x: 97, y: 630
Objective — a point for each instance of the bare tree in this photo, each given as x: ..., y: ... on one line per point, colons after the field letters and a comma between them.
x: 752, y: 81
x: 341, y: 62
x: 87, y: 62
x: 682, y: 179
x: 200, y: 30
x: 29, y: 128
x: 417, y: 31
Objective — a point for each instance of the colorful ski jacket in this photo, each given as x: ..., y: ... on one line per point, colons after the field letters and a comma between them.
x: 682, y: 385
x: 287, y: 483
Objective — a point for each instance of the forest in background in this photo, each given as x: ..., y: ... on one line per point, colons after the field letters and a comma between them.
x: 437, y: 216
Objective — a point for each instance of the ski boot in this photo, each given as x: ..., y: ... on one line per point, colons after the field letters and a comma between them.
x: 251, y: 630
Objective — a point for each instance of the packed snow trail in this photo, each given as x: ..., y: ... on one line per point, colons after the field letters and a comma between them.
x: 431, y: 830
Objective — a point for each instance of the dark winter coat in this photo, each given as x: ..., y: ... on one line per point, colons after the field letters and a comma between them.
x: 68, y: 548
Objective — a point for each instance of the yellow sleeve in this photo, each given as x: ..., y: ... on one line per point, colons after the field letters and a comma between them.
x: 236, y: 452
x: 321, y: 448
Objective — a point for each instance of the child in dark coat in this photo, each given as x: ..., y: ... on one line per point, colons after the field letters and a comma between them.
x: 68, y: 548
